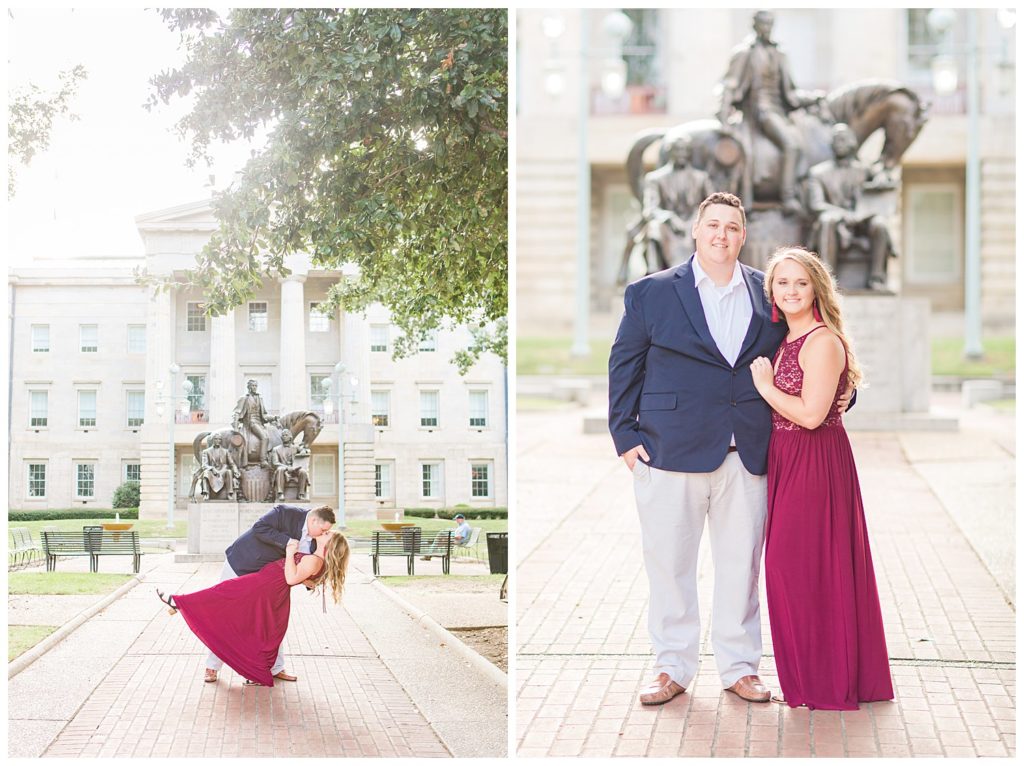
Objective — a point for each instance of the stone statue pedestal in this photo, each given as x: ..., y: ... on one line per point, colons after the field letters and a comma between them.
x: 213, y: 526
x: 890, y: 337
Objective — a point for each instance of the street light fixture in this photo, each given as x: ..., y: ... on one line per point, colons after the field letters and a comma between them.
x: 162, y: 402
x: 332, y: 395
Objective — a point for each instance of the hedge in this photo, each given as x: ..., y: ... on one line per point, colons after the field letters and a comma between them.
x: 448, y: 513
x: 72, y: 513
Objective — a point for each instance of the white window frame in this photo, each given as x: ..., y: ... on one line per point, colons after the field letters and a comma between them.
x: 436, y: 482
x: 318, y: 321
x: 254, y: 316
x: 429, y: 343
x: 96, y: 401
x: 128, y: 396
x: 489, y: 465
x: 433, y: 413
x: 375, y: 412
x: 317, y: 399
x: 76, y: 478
x: 31, y: 411
x: 28, y: 478
x: 39, y: 345
x: 197, y: 396
x: 380, y: 344
x: 124, y: 470
x: 195, y: 319
x: 83, y: 342
x: 323, y: 465
x: 476, y: 393
x: 384, y: 478
x: 137, y: 333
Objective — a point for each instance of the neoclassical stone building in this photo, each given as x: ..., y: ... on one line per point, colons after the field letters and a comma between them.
x: 107, y: 375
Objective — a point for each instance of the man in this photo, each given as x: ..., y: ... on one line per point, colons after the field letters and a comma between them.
x: 282, y: 460
x: 460, y: 536
x: 250, y: 416
x: 265, y: 542
x: 834, y: 190
x: 218, y: 470
x: 759, y: 84
x: 671, y: 196
x: 688, y: 422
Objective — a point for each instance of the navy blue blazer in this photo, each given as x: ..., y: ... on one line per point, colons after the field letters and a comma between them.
x: 671, y: 390
x: 265, y: 541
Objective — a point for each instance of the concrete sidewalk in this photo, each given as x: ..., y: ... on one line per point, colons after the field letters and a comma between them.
x: 372, y: 682
x: 940, y: 510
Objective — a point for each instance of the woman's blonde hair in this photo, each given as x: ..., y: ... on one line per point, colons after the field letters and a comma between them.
x: 336, y: 554
x: 827, y: 295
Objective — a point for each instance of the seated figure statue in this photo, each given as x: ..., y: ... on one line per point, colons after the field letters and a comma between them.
x: 672, y: 194
x: 833, y: 192
x: 282, y: 460
x: 217, y: 471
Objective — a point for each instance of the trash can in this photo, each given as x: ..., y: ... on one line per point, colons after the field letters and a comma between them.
x: 497, y: 552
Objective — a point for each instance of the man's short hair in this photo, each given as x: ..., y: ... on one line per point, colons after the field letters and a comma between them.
x: 722, y: 198
x: 325, y: 513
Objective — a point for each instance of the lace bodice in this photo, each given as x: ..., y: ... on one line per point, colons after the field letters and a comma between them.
x: 789, y: 378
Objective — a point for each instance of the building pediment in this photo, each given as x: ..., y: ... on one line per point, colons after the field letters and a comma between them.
x: 193, y: 216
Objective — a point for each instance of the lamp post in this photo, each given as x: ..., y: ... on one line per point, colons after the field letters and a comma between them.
x: 162, y: 402
x: 338, y: 395
x: 944, y: 79
x: 613, y: 82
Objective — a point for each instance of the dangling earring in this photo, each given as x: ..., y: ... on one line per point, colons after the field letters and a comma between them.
x: 815, y: 312
x: 775, y: 312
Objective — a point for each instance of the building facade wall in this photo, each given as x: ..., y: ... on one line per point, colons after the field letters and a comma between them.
x: 826, y: 48
x: 222, y: 354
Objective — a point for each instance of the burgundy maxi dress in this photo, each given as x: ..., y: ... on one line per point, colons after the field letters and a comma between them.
x: 243, y: 620
x: 823, y: 606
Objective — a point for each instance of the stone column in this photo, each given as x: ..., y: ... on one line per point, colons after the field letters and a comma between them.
x: 293, y: 345
x: 153, y: 438
x: 222, y: 389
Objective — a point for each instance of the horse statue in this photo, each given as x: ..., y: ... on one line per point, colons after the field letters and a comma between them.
x: 299, y: 423
x: 725, y: 152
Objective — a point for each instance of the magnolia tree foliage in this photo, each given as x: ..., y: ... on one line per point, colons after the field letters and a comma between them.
x: 31, y: 113
x: 387, y: 149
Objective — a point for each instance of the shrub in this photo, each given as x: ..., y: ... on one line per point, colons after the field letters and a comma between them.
x: 58, y: 514
x: 449, y: 513
x: 127, y: 495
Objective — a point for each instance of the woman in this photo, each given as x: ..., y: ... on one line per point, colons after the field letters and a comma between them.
x: 826, y: 623
x: 243, y: 620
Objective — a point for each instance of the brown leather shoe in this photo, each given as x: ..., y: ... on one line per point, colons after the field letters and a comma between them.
x: 211, y: 676
x: 282, y: 676
x: 751, y: 689
x: 660, y: 691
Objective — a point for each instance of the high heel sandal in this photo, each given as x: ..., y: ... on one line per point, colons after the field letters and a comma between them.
x: 169, y: 601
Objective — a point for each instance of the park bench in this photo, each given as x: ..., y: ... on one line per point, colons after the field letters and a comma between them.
x: 409, y: 543
x: 92, y: 542
x: 23, y: 549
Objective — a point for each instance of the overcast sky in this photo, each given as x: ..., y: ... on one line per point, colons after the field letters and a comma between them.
x: 81, y: 196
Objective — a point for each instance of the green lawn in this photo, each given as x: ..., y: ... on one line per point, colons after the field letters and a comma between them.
x: 551, y: 356
x: 145, y: 527
x: 364, y: 527
x: 21, y: 638
x: 63, y: 583
x: 999, y: 357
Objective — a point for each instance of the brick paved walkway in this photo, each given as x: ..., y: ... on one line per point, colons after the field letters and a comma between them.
x: 152, y: 702
x: 584, y: 652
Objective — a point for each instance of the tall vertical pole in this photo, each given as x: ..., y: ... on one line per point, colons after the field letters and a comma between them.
x: 581, y: 339
x: 972, y: 269
x: 172, y: 412
x: 339, y: 368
